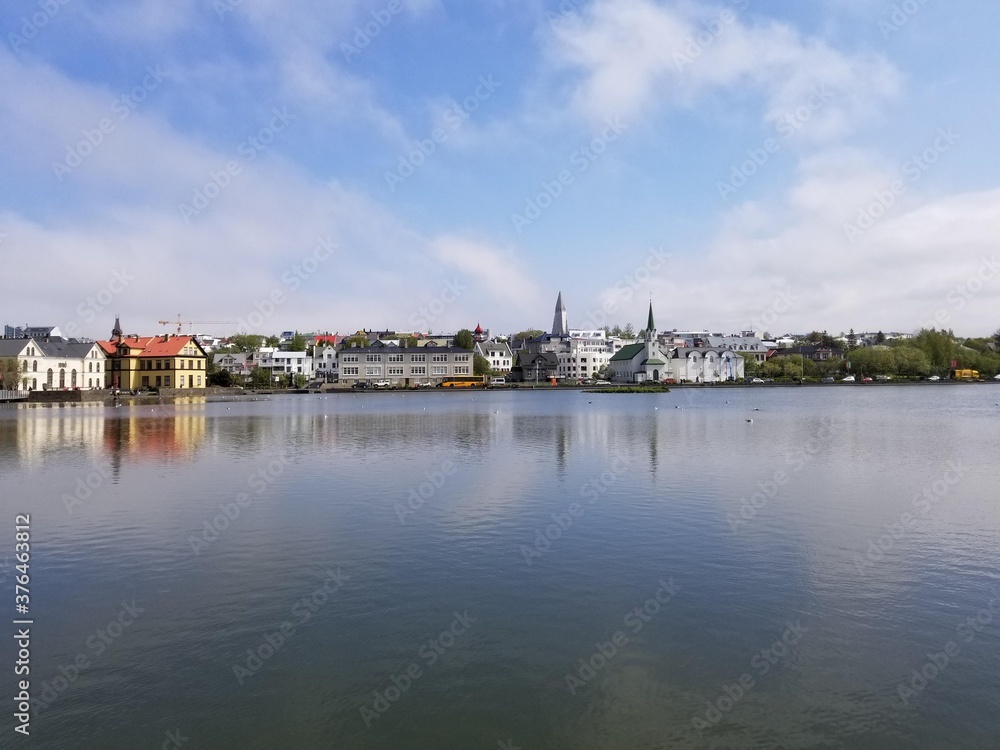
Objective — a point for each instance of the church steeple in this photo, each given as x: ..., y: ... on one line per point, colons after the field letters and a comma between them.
x: 650, y: 325
x: 116, y: 332
x: 560, y: 321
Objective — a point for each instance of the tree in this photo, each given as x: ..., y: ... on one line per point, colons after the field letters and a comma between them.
x: 815, y: 337
x: 481, y: 365
x: 873, y: 360
x: 879, y: 338
x: 996, y: 337
x: 245, y: 342
x: 852, y: 339
x: 531, y: 333
x: 751, y: 367
x: 300, y: 380
x: 910, y: 361
x: 464, y: 339
x: 273, y: 341
x: 221, y: 378
x: 260, y: 378
x: 617, y: 331
x: 10, y: 371
x: 407, y: 341
x: 628, y: 332
x: 298, y: 343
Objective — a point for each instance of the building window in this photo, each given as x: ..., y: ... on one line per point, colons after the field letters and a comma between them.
x: 395, y: 358
x: 199, y: 381
x: 418, y: 357
x: 34, y: 366
x: 373, y: 358
x: 461, y: 370
x: 439, y: 358
x: 418, y: 370
x: 395, y: 371
x: 158, y: 381
x: 459, y: 358
x: 438, y: 370
x: 180, y: 381
x: 373, y: 370
x: 48, y: 380
x: 166, y: 380
x: 349, y: 371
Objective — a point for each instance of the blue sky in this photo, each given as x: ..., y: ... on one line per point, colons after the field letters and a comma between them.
x: 742, y: 162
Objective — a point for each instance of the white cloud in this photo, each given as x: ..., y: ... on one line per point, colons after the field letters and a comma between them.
x: 637, y: 56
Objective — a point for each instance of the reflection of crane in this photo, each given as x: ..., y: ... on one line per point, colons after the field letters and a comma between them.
x: 181, y: 323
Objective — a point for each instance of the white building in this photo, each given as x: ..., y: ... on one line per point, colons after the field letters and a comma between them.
x: 55, y: 363
x: 325, y: 364
x: 704, y: 365
x: 497, y: 353
x: 641, y: 362
x: 282, y: 364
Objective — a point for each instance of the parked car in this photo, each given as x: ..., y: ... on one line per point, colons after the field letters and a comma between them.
x: 997, y: 376
x: 425, y: 384
x: 602, y: 382
x: 756, y: 380
x: 828, y: 380
x: 866, y: 380
x: 498, y: 381
x: 360, y: 385
x: 936, y: 378
x: 383, y: 384
x: 848, y: 379
x: 883, y: 378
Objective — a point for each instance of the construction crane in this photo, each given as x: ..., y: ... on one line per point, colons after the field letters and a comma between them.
x: 181, y: 323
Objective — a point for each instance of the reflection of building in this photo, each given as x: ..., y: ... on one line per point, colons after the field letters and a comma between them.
x: 166, y: 361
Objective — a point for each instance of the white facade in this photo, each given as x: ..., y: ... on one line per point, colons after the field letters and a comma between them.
x: 498, y: 354
x: 705, y: 365
x: 282, y: 364
x: 56, y: 364
x: 325, y: 364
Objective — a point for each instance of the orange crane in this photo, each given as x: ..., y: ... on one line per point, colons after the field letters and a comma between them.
x: 181, y: 323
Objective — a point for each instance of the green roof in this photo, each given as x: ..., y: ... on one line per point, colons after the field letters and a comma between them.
x: 654, y: 361
x: 628, y: 353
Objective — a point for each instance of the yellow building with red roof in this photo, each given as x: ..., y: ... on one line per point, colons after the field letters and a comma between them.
x: 167, y: 361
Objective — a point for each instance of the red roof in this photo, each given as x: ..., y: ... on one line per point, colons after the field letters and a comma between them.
x: 149, y: 346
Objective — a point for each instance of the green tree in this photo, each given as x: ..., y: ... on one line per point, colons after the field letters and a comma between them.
x: 260, y: 378
x: 531, y: 333
x: 751, y: 367
x: 996, y: 338
x: 272, y: 341
x: 298, y: 343
x: 815, y: 337
x: 245, y: 342
x: 221, y: 378
x: 464, y: 340
x: 910, y: 361
x: 873, y: 360
x: 300, y: 380
x: 10, y: 371
x: 852, y: 340
x: 481, y: 365
x: 879, y: 338
x: 628, y: 332
x: 616, y: 331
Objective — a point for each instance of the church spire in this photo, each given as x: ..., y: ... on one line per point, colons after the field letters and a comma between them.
x: 650, y: 325
x: 116, y: 332
x: 560, y: 321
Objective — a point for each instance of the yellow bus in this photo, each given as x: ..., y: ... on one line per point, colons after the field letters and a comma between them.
x: 464, y: 381
x: 965, y: 374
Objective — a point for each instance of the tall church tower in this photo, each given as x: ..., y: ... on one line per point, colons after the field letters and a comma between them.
x: 651, y: 347
x: 116, y: 332
x: 560, y: 321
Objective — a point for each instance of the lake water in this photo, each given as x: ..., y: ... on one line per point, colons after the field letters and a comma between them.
x: 512, y: 569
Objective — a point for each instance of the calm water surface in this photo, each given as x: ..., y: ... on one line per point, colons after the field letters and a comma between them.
x: 530, y: 570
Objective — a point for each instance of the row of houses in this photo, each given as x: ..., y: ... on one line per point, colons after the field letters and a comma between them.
x: 48, y: 361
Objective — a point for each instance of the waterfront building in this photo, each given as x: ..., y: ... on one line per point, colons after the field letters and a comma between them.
x: 497, y: 353
x: 53, y: 362
x: 166, y: 361
x: 641, y: 362
x: 705, y: 365
x: 403, y: 366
